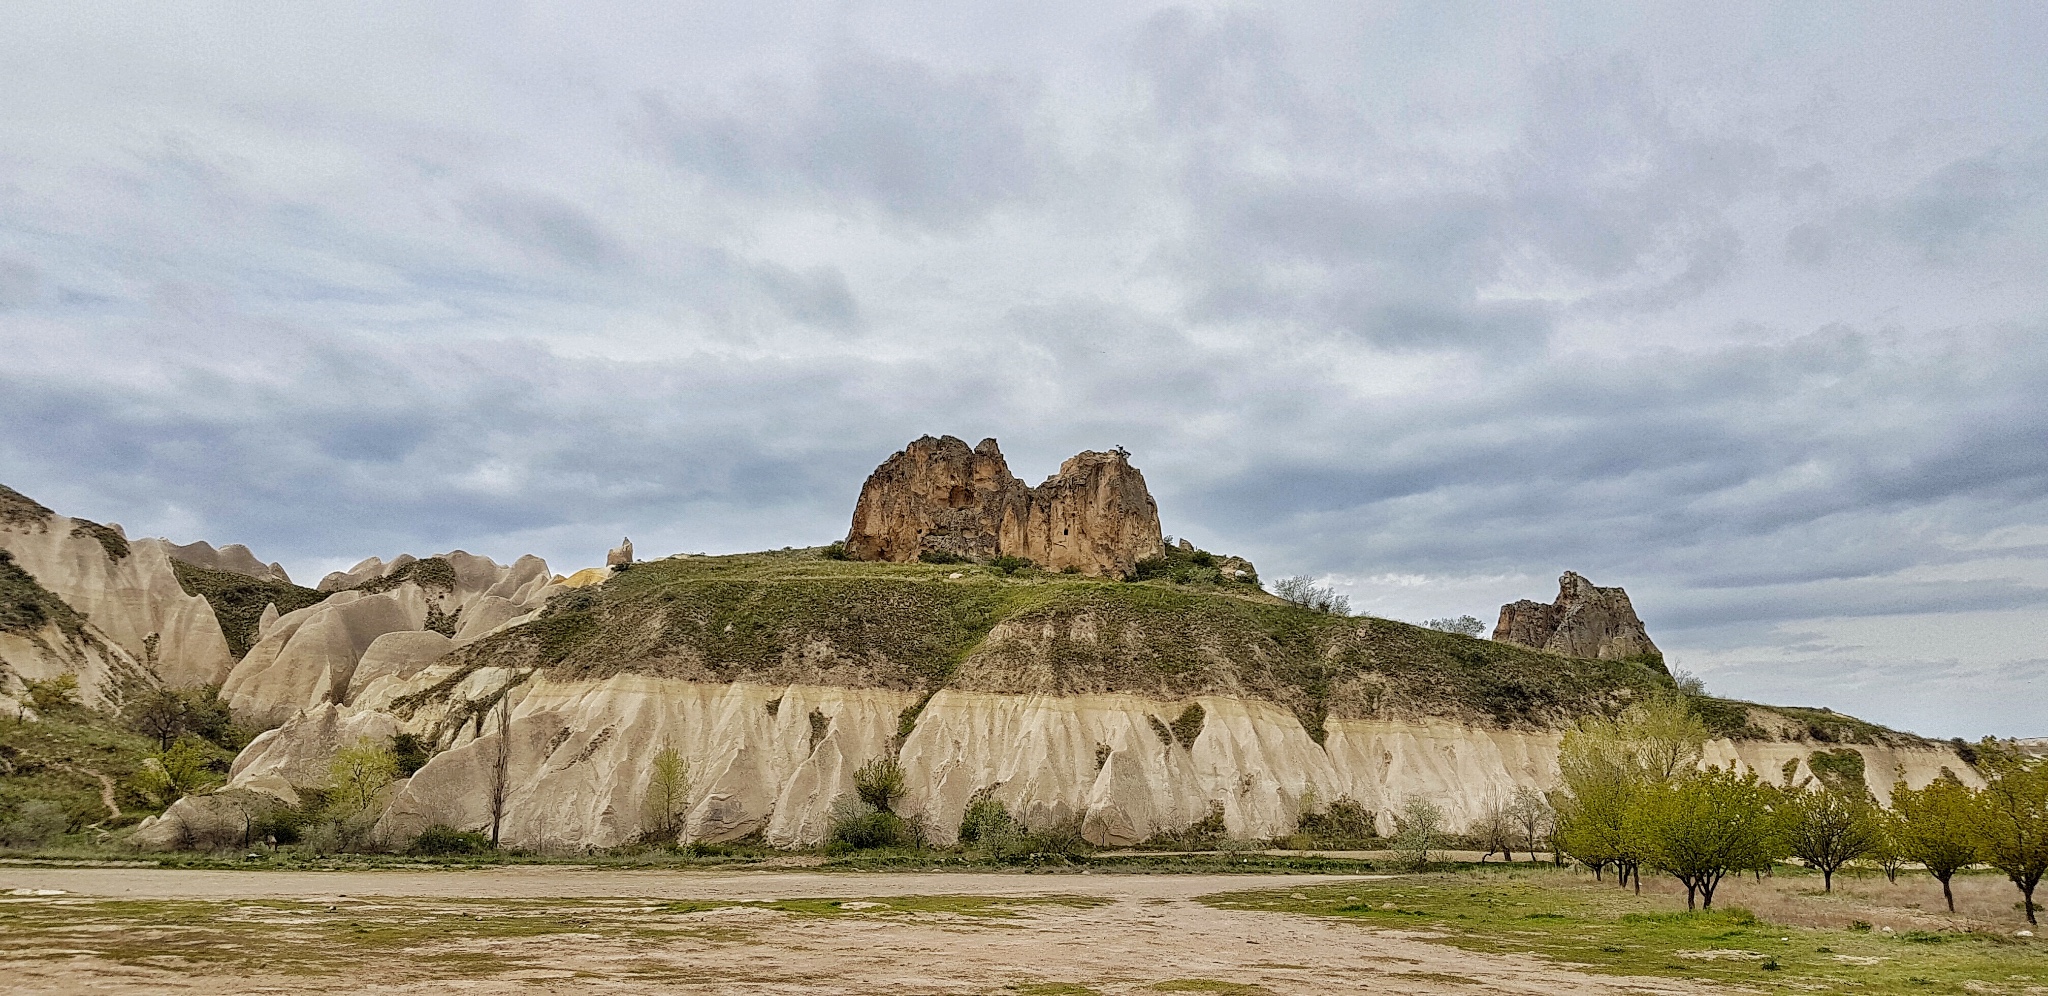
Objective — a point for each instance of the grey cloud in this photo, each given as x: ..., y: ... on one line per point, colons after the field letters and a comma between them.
x: 818, y: 297
x: 933, y: 148
x: 1945, y: 216
x: 20, y: 284
x: 545, y: 224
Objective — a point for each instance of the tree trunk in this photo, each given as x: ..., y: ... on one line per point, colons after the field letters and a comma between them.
x: 1827, y: 879
x: 1690, y: 892
x: 2027, y: 900
x: 1946, y: 894
x: 1707, y: 893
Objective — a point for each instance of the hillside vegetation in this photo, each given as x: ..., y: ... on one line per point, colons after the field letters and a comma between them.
x: 800, y: 616
x: 238, y: 600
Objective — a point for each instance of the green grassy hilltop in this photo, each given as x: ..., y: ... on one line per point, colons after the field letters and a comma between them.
x: 800, y: 616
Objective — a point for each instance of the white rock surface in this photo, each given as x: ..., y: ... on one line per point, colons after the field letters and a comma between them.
x: 578, y: 755
x: 310, y: 657
x: 134, y: 601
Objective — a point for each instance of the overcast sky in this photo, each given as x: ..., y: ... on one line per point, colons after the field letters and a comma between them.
x: 1745, y: 310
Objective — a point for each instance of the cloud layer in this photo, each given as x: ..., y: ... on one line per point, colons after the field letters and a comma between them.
x: 1434, y: 303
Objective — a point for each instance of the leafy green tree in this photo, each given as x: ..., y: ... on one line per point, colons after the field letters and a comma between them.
x: 668, y: 795
x: 1609, y: 765
x: 1828, y: 828
x: 1936, y: 826
x: 2012, y: 817
x: 188, y: 766
x: 1707, y: 824
x: 879, y: 782
x: 358, y: 775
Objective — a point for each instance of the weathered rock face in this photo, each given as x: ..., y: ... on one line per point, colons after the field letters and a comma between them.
x: 938, y: 496
x: 772, y: 759
x: 310, y: 657
x: 621, y: 555
x: 1585, y: 621
x: 127, y: 589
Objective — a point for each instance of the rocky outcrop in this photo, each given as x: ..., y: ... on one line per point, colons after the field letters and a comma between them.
x: 938, y: 497
x: 621, y: 555
x: 1584, y: 621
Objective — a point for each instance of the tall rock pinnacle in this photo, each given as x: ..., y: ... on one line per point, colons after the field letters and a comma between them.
x: 1585, y: 621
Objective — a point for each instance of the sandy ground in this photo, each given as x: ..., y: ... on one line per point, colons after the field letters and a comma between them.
x: 1149, y: 933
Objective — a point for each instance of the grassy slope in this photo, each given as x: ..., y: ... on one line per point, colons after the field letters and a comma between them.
x: 791, y: 616
x: 59, y: 758
x: 1602, y: 929
x: 238, y: 600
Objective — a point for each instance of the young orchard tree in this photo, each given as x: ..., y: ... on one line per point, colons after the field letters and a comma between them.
x: 1609, y: 765
x: 1705, y: 825
x: 2012, y: 817
x: 1936, y: 826
x: 1828, y: 828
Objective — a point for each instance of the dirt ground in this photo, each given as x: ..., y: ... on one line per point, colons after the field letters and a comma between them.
x: 1147, y: 935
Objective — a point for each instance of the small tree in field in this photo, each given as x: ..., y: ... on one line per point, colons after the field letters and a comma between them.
x: 1533, y: 817
x: 1495, y: 830
x: 1828, y: 829
x: 668, y: 795
x: 2012, y: 818
x: 1701, y: 827
x: 1936, y: 826
x: 1421, y: 825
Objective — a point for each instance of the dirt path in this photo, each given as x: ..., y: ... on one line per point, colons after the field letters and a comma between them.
x: 106, y: 789
x: 1144, y: 931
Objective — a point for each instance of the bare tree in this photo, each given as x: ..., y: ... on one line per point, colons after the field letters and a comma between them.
x: 1533, y: 817
x: 1496, y: 830
x: 501, y: 767
x: 1305, y: 592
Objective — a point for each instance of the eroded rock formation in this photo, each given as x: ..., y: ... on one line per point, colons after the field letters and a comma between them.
x: 937, y: 496
x: 1585, y: 621
x: 621, y: 555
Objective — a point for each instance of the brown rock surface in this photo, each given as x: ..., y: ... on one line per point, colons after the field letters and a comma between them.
x: 938, y: 496
x: 1585, y: 621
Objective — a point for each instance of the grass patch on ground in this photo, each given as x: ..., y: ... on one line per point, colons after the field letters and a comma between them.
x: 1600, y: 928
x: 438, y: 937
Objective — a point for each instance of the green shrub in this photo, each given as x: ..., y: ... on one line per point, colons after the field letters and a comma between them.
x: 1346, y: 820
x: 1011, y: 565
x: 856, y: 825
x: 411, y: 753
x: 836, y: 550
x: 941, y: 557
x: 443, y: 839
x: 34, y: 824
x: 879, y: 782
x: 1060, y: 843
x: 987, y: 821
